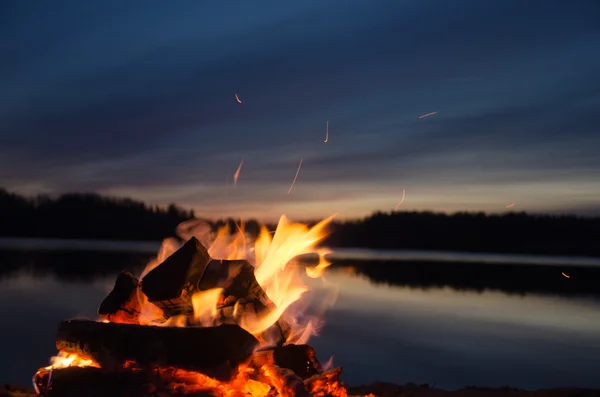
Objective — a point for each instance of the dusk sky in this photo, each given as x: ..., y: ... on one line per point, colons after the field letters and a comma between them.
x: 137, y: 98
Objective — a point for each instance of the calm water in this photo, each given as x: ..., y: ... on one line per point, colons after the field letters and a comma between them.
x: 375, y: 332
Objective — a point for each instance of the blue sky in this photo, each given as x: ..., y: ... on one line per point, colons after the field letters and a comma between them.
x: 137, y: 98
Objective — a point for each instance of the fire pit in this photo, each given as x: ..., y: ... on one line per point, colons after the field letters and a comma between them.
x: 195, y: 325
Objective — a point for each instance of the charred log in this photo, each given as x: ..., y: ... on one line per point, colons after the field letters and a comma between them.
x: 190, y: 269
x: 301, y: 359
x: 215, y: 351
x: 121, y: 305
x: 285, y: 381
x: 170, y: 284
x: 262, y: 357
x: 241, y: 289
x: 326, y: 384
x: 98, y: 382
x: 89, y: 382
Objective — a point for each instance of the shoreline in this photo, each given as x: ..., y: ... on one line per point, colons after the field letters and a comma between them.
x: 383, y: 389
x: 338, y: 253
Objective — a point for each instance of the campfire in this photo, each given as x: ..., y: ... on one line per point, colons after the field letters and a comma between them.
x: 212, y: 316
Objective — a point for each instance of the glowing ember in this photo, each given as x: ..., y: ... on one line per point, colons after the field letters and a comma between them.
x: 427, y: 115
x: 565, y: 275
x: 237, y: 98
x: 327, y: 132
x: 237, y: 173
x: 401, y: 200
x: 296, y: 177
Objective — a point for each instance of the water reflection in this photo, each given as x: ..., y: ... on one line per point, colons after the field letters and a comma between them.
x: 513, y: 278
x: 478, y: 277
x: 460, y: 338
x: 376, y: 331
x: 31, y: 308
x: 69, y: 266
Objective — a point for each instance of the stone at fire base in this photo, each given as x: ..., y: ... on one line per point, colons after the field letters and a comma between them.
x: 391, y: 390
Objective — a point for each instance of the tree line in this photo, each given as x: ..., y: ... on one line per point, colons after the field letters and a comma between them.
x: 92, y: 216
x: 86, y: 216
x: 513, y: 232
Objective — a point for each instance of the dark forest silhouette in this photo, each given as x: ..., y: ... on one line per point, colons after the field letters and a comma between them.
x: 86, y: 216
x: 472, y: 232
x: 91, y: 216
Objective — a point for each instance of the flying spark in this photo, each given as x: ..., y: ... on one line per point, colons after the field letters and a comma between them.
x: 237, y: 173
x: 510, y: 205
x: 427, y: 115
x: 328, y: 364
x: 327, y: 132
x: 567, y: 276
x: 296, y: 177
x: 401, y: 201
x: 237, y: 98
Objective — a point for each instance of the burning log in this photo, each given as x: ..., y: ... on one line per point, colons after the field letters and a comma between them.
x: 89, y: 382
x: 215, y: 351
x: 326, y: 384
x: 237, y: 279
x: 121, y: 305
x: 98, y: 382
x: 170, y: 284
x: 285, y: 381
x: 301, y: 359
x: 190, y: 269
x: 241, y: 288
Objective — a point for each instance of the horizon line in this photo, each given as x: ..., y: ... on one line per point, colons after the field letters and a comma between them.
x: 268, y: 219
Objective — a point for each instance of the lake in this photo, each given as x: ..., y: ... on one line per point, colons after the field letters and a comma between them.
x: 438, y: 335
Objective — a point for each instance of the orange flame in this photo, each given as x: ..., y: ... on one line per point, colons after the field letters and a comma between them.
x: 205, y: 305
x: 276, y: 272
x: 64, y: 360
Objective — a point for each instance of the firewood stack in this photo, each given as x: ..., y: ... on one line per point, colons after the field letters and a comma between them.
x: 130, y: 359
